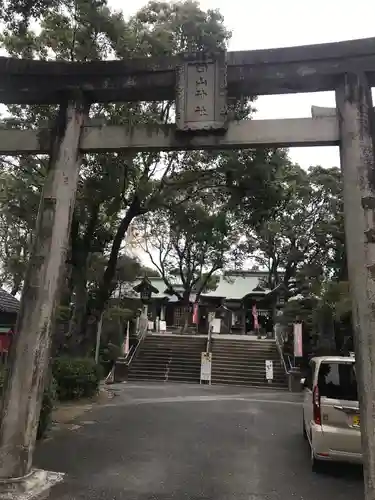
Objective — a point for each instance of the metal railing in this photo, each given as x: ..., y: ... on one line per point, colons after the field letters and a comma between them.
x: 133, y: 351
x: 285, y: 359
x: 209, y: 339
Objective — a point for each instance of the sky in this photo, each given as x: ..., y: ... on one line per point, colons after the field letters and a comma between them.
x: 265, y: 24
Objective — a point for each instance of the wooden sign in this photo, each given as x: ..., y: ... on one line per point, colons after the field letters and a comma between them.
x: 201, y: 93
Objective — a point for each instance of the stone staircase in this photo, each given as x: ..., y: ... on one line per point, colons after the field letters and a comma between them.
x: 170, y: 358
x: 242, y: 362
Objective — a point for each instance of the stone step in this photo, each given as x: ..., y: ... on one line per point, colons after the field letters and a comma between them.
x: 243, y: 369
x: 250, y: 384
x: 249, y: 354
x: 167, y: 355
x: 179, y: 359
x: 239, y: 349
x: 245, y: 365
x: 245, y: 357
x: 166, y: 352
x: 244, y: 376
x: 175, y: 340
x: 265, y: 344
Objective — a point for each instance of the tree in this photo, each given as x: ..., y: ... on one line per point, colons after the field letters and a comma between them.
x: 114, y: 188
x: 188, y: 244
x: 303, y: 238
x: 20, y: 186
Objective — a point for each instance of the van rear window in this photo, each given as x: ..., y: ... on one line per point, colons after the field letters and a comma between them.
x: 338, y: 381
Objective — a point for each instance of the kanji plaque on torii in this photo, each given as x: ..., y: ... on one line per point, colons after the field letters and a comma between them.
x: 201, y: 94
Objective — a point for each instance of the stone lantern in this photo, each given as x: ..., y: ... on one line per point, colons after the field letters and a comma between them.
x: 145, y: 290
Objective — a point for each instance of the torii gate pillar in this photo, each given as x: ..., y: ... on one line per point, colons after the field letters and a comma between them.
x: 30, y: 354
x: 356, y: 118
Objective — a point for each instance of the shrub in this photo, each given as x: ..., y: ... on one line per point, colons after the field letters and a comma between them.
x: 49, y: 398
x: 76, y: 377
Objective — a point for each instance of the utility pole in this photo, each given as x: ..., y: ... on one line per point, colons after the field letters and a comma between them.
x: 30, y: 354
x: 356, y: 118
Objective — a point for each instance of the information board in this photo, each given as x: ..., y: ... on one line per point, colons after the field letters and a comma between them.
x: 269, y: 370
x: 206, y: 364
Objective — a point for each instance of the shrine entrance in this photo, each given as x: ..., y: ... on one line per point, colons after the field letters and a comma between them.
x: 201, y: 85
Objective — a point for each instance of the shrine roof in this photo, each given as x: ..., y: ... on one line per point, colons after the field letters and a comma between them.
x: 8, y: 303
x: 237, y: 284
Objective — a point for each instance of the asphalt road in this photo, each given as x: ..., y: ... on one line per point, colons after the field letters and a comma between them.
x: 183, y: 442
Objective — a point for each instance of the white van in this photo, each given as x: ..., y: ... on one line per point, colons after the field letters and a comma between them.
x: 331, y: 421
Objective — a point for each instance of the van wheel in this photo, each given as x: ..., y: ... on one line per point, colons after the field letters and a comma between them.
x: 317, y: 466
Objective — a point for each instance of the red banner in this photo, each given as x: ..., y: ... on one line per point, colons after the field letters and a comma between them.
x: 298, y: 345
x: 255, y: 316
x: 195, y: 313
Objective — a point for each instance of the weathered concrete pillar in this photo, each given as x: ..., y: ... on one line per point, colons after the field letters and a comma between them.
x: 31, y: 350
x: 354, y: 105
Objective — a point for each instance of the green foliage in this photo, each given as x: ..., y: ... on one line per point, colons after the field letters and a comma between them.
x: 76, y: 377
x: 48, y: 402
x: 191, y: 242
x: 110, y: 353
x: 114, y: 188
x: 304, y: 236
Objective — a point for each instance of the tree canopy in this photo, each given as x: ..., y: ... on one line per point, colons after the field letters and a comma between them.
x: 199, y: 212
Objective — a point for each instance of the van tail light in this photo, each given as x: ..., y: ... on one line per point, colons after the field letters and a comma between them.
x: 316, y: 406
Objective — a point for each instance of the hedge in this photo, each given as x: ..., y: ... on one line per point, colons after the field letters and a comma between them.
x: 49, y: 398
x: 76, y: 377
x: 73, y: 378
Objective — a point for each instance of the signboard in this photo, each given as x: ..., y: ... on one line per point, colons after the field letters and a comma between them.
x: 150, y: 325
x: 206, y: 363
x: 216, y: 325
x: 195, y: 314
x: 201, y: 99
x: 269, y: 370
x: 297, y: 333
x: 163, y: 326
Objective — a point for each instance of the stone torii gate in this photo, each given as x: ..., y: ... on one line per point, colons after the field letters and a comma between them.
x: 201, y: 85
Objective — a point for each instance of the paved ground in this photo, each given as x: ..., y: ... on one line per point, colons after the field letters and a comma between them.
x: 181, y: 442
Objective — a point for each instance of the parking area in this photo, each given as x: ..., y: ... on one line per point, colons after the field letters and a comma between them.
x: 166, y: 442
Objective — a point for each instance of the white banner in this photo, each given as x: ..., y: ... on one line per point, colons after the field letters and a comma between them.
x: 297, y: 333
x: 206, y: 363
x: 269, y: 369
x: 216, y: 325
x: 162, y: 326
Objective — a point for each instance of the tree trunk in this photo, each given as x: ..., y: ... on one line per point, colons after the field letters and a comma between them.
x: 16, y: 288
x: 30, y: 353
x: 81, y: 250
x: 186, y: 313
x: 99, y: 299
x: 77, y: 318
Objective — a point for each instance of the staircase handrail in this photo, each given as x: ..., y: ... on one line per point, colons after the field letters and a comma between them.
x: 141, y: 337
x: 209, y: 339
x: 281, y: 353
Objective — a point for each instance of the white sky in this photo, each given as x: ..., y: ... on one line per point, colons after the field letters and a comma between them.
x: 266, y: 24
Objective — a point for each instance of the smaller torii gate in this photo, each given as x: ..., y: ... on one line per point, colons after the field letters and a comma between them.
x: 200, y: 84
